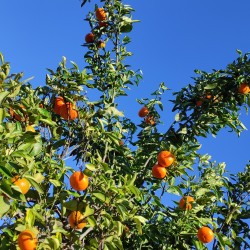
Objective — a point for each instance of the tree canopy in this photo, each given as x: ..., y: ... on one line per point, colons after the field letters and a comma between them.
x: 113, y: 197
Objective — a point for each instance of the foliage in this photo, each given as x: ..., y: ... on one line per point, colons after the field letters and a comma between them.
x: 123, y: 204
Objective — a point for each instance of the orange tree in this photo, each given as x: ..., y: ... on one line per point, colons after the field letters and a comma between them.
x: 111, y: 198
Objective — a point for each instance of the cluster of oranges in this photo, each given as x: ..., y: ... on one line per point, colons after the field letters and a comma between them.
x: 79, y: 182
x: 65, y: 109
x: 243, y: 89
x: 27, y: 240
x: 144, y: 112
x: 165, y: 159
x: 204, y: 234
x: 101, y: 16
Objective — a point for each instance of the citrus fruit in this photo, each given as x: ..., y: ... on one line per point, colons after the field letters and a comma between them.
x: 59, y: 102
x: 149, y: 120
x: 67, y: 111
x: 244, y: 88
x: 100, y: 14
x: 143, y: 112
x: 22, y: 183
x: 76, y: 220
x: 101, y: 44
x: 27, y: 240
x: 165, y: 158
x: 30, y: 128
x: 158, y: 171
x: 205, y: 234
x: 185, y: 202
x: 89, y: 38
x: 79, y: 181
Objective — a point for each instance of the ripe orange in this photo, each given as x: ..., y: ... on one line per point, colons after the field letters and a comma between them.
x: 185, y: 202
x: 89, y: 38
x: 208, y: 96
x: 143, y: 111
x: 67, y: 111
x: 150, y: 120
x: 100, y: 14
x: 158, y: 171
x: 22, y: 183
x: 27, y: 240
x: 76, y: 220
x: 165, y: 158
x: 244, y: 88
x: 205, y: 234
x: 59, y: 102
x: 101, y: 44
x: 17, y: 116
x: 79, y: 181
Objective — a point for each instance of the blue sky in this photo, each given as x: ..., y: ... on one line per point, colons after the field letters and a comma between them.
x: 172, y: 39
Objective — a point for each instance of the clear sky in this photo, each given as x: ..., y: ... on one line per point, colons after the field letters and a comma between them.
x: 172, y: 39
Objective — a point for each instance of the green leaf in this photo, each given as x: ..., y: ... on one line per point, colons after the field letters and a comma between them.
x: 71, y: 205
x: 138, y: 225
x: 4, y: 205
x: 88, y: 211
x: 29, y: 218
x: 3, y: 95
x: 141, y: 219
x: 132, y: 180
x: 90, y: 166
x: 126, y: 27
x: 220, y: 239
x: 34, y: 183
x: 56, y: 183
x: 91, y: 220
x: 211, y: 86
x: 101, y: 197
x: 2, y: 114
x: 49, y: 122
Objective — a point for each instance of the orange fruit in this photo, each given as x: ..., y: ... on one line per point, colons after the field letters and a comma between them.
x: 165, y: 158
x: 244, y: 88
x: 185, y: 202
x: 208, y: 96
x: 150, y: 120
x: 59, y: 102
x: 67, y: 112
x: 205, y: 234
x: 79, y: 181
x: 22, y: 183
x: 198, y: 103
x: 158, y: 171
x: 30, y: 128
x: 89, y: 38
x: 100, y: 14
x: 17, y: 116
x: 76, y: 220
x: 101, y: 44
x: 143, y: 111
x: 27, y: 240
